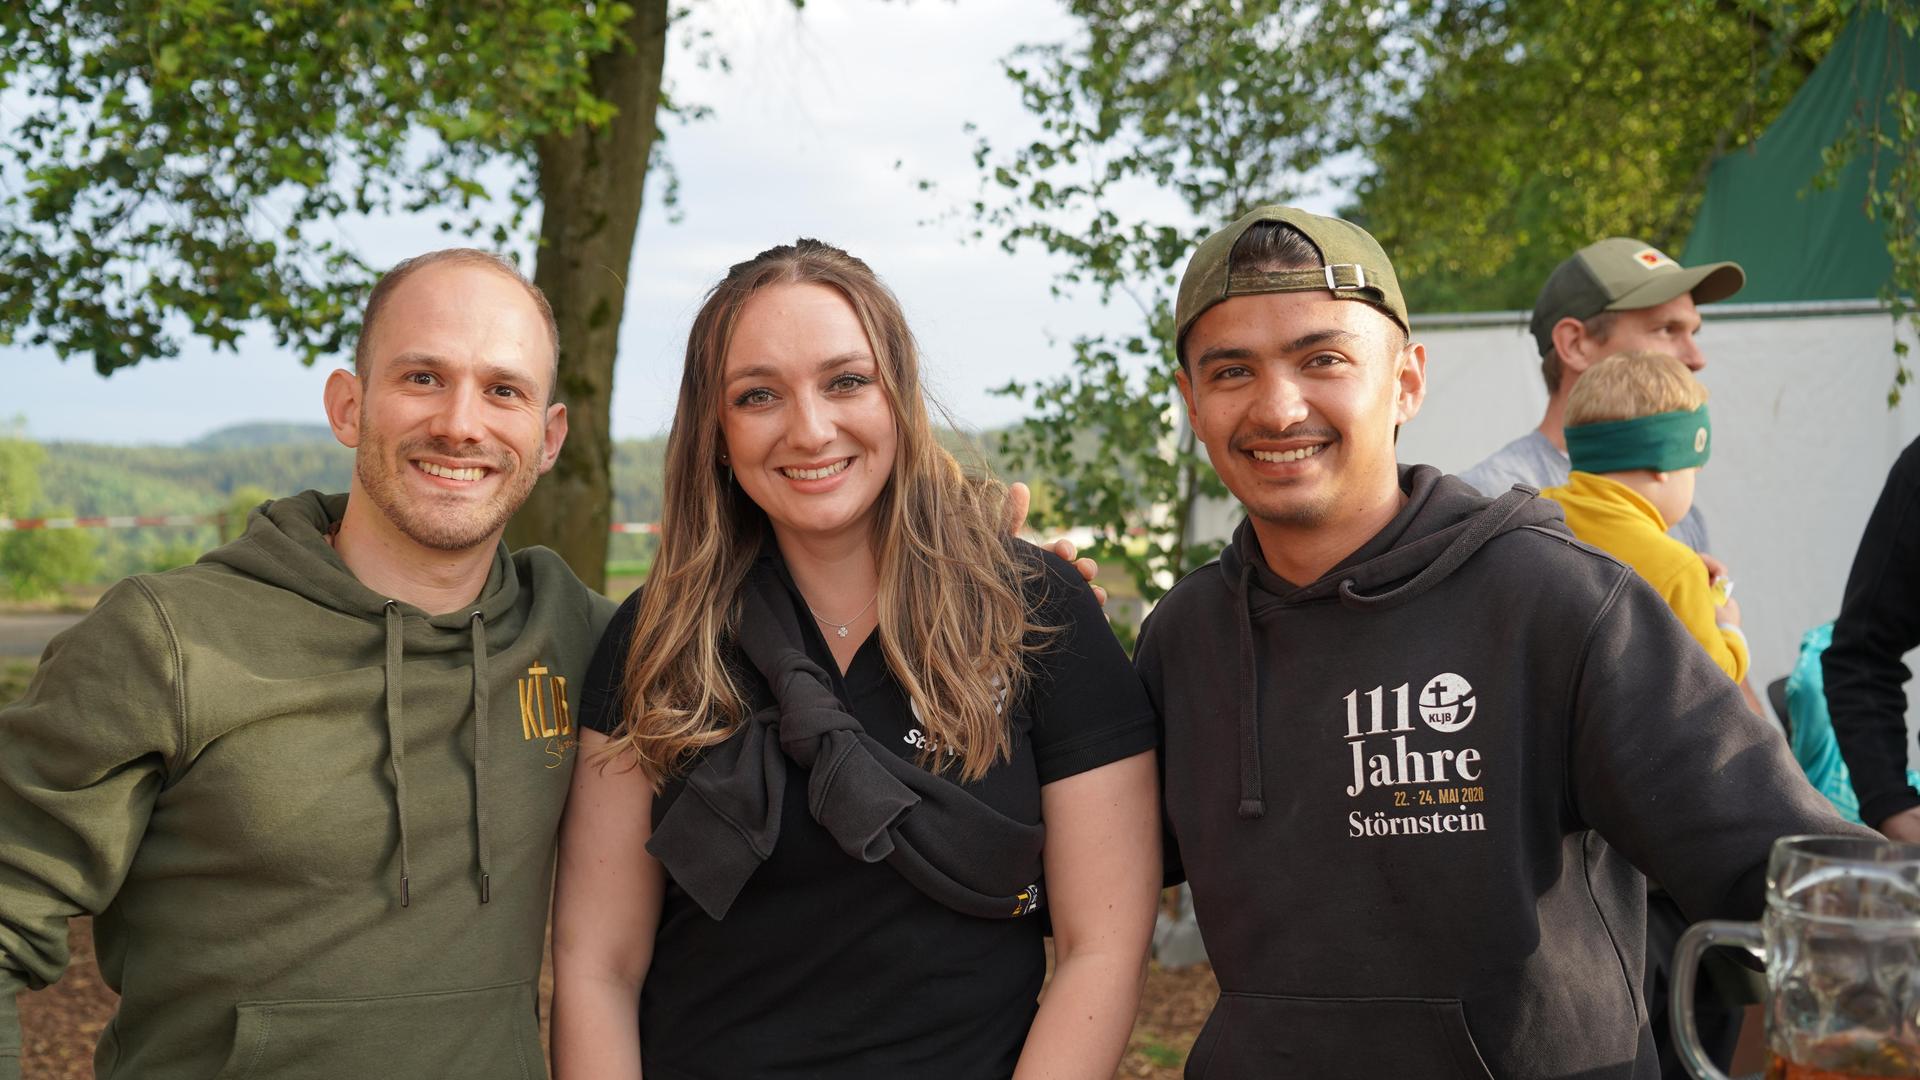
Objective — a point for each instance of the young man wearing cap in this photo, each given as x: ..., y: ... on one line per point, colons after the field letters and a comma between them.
x: 1400, y: 716
x: 1616, y: 295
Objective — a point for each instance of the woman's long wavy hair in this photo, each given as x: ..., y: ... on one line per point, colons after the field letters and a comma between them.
x: 954, y: 622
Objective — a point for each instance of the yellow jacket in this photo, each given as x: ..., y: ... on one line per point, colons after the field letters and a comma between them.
x: 1621, y: 522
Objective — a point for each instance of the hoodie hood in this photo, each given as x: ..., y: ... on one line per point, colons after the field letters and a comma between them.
x: 1444, y: 523
x: 286, y: 544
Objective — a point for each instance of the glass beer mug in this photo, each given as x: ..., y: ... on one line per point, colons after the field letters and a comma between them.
x: 1841, y: 943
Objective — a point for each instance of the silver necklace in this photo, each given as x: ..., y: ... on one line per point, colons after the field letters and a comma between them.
x: 840, y: 628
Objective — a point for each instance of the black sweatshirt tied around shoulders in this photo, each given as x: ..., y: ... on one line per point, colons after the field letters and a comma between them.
x: 878, y: 807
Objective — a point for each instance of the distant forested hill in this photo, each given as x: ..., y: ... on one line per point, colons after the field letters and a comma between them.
x: 194, y: 479
x: 248, y: 462
x: 242, y: 436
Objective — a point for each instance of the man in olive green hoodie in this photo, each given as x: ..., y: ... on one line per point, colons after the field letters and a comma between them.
x: 309, y: 785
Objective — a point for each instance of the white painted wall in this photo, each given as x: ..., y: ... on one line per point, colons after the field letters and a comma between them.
x: 1803, y: 439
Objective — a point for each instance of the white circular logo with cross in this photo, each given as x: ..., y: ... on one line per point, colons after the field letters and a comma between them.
x: 1447, y: 702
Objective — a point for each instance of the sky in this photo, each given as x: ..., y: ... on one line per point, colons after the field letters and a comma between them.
x: 825, y: 123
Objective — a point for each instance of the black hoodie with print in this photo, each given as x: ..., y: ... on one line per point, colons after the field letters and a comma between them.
x: 1410, y: 797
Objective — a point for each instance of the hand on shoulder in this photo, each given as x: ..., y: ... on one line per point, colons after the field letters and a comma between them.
x: 1019, y: 500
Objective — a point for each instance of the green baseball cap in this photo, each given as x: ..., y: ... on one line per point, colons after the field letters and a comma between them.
x: 1352, y: 267
x: 1623, y: 274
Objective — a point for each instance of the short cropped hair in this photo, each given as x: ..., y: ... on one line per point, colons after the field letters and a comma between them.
x: 1599, y: 328
x: 1629, y: 385
x: 1274, y: 245
x: 402, y: 270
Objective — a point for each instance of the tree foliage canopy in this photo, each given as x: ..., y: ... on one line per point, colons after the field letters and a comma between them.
x: 188, y: 164
x: 1482, y: 141
x: 192, y: 166
x: 1481, y: 137
x: 1538, y: 128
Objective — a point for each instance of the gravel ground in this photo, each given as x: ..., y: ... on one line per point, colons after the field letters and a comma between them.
x: 62, y: 1023
x: 1174, y: 1006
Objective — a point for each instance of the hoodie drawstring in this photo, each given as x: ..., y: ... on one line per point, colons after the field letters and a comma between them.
x: 1253, y: 803
x: 396, y: 636
x: 484, y: 850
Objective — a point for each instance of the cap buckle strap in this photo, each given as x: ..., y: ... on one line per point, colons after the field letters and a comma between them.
x: 1359, y: 277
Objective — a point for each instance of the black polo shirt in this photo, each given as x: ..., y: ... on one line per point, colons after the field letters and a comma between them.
x: 830, y: 967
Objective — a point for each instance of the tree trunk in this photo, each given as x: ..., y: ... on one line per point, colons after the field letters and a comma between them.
x: 591, y: 183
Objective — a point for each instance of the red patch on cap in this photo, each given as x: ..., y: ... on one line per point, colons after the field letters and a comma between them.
x: 1652, y: 259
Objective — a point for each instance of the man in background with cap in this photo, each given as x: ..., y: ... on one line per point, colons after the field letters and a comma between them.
x: 1618, y: 295
x: 1625, y: 295
x: 1399, y: 716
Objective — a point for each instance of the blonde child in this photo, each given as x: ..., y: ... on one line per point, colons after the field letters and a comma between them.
x: 1637, y: 434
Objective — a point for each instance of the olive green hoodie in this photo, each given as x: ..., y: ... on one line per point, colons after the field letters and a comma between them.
x: 316, y: 826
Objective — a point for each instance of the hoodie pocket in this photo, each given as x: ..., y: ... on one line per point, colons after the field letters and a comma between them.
x: 487, y: 1032
x: 1266, y: 1035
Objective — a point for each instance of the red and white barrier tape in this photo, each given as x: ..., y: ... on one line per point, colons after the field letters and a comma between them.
x: 113, y: 522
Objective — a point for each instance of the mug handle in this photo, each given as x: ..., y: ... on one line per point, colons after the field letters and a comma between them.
x: 1686, y: 972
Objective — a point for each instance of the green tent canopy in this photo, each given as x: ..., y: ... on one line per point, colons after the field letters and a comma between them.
x: 1760, y: 209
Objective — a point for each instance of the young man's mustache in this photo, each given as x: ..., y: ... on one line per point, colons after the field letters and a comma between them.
x: 1260, y: 435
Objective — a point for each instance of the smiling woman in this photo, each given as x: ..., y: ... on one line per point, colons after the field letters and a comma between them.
x: 811, y: 441
x: 876, y: 813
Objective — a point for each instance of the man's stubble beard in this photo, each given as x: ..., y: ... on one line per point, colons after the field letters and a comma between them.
x: 1293, y: 512
x: 1310, y: 514
x: 456, y: 526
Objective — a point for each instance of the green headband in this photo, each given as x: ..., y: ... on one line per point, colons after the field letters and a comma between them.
x: 1663, y: 442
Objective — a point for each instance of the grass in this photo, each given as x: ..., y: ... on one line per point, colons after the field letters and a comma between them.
x: 1157, y: 1053
x: 14, y: 676
x: 625, y: 575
